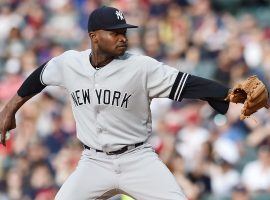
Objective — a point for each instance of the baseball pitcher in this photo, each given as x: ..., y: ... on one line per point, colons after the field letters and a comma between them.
x: 110, y: 91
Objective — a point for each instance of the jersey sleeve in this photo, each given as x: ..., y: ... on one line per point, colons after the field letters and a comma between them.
x: 160, y: 79
x: 165, y: 81
x: 52, y: 73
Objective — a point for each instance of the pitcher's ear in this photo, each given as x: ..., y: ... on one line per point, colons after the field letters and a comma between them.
x: 93, y: 36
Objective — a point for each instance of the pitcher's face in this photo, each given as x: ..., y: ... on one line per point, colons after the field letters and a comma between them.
x: 111, y: 42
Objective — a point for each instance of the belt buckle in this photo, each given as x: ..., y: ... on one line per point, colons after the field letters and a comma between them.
x: 110, y: 153
x: 131, y: 147
x: 119, y: 151
x: 122, y: 150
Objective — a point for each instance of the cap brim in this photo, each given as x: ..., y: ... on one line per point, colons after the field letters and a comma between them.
x: 120, y: 26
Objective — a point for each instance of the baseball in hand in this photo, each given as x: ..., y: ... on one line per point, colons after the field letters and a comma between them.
x: 7, y: 135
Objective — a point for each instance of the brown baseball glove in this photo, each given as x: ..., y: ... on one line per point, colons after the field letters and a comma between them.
x: 252, y: 93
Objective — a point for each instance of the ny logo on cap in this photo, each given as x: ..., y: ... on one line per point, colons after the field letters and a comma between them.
x: 119, y: 15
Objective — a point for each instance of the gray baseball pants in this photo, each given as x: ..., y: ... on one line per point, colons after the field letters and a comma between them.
x: 138, y: 173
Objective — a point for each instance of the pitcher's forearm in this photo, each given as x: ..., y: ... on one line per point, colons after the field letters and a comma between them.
x: 30, y: 87
x: 15, y: 103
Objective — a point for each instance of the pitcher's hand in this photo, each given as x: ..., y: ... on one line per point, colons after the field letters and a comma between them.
x: 7, y: 122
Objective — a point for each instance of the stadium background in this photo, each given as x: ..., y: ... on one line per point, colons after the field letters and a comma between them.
x: 212, y: 156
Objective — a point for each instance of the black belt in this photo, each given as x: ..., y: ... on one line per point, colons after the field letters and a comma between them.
x: 120, y: 151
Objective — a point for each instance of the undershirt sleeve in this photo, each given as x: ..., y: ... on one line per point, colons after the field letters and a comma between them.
x: 32, y: 85
x: 194, y: 87
x: 198, y: 87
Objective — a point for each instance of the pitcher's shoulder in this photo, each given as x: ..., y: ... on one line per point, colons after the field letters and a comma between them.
x: 75, y: 53
x: 69, y: 55
x: 135, y: 57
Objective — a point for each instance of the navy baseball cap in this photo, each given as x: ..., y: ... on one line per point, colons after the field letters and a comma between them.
x: 107, y: 18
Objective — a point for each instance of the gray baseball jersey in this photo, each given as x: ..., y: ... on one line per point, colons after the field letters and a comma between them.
x: 111, y: 106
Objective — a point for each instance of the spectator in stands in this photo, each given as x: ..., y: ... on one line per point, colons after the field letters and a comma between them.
x: 240, y: 193
x: 256, y: 174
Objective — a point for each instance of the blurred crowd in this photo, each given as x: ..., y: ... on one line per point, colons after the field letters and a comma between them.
x: 212, y: 156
